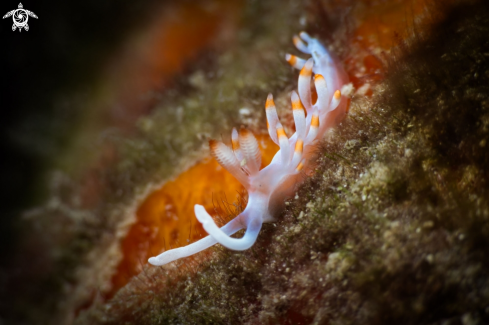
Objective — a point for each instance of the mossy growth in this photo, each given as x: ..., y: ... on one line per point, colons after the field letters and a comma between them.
x: 392, y: 226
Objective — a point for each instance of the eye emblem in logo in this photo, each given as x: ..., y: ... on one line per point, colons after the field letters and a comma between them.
x: 20, y: 17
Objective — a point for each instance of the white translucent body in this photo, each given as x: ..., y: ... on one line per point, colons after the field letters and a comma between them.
x: 268, y: 187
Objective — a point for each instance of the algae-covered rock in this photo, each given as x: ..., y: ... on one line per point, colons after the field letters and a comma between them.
x: 393, y: 224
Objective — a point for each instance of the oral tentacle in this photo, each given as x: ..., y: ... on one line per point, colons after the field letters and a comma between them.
x: 305, y: 36
x: 295, y: 61
x: 301, y: 46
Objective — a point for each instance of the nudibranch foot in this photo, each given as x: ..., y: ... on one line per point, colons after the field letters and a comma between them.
x: 174, y: 254
x: 267, y: 188
x: 253, y: 226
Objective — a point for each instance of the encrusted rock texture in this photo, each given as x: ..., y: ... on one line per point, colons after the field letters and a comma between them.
x: 390, y: 227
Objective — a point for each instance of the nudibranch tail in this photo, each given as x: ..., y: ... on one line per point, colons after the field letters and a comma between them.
x: 174, y: 254
x: 253, y: 226
x: 271, y: 184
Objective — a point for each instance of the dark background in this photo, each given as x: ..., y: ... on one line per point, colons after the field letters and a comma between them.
x: 63, y: 50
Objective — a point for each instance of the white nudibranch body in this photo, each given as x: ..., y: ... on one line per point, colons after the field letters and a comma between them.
x: 267, y: 188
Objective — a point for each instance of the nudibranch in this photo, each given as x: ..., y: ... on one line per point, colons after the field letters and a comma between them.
x: 268, y: 188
